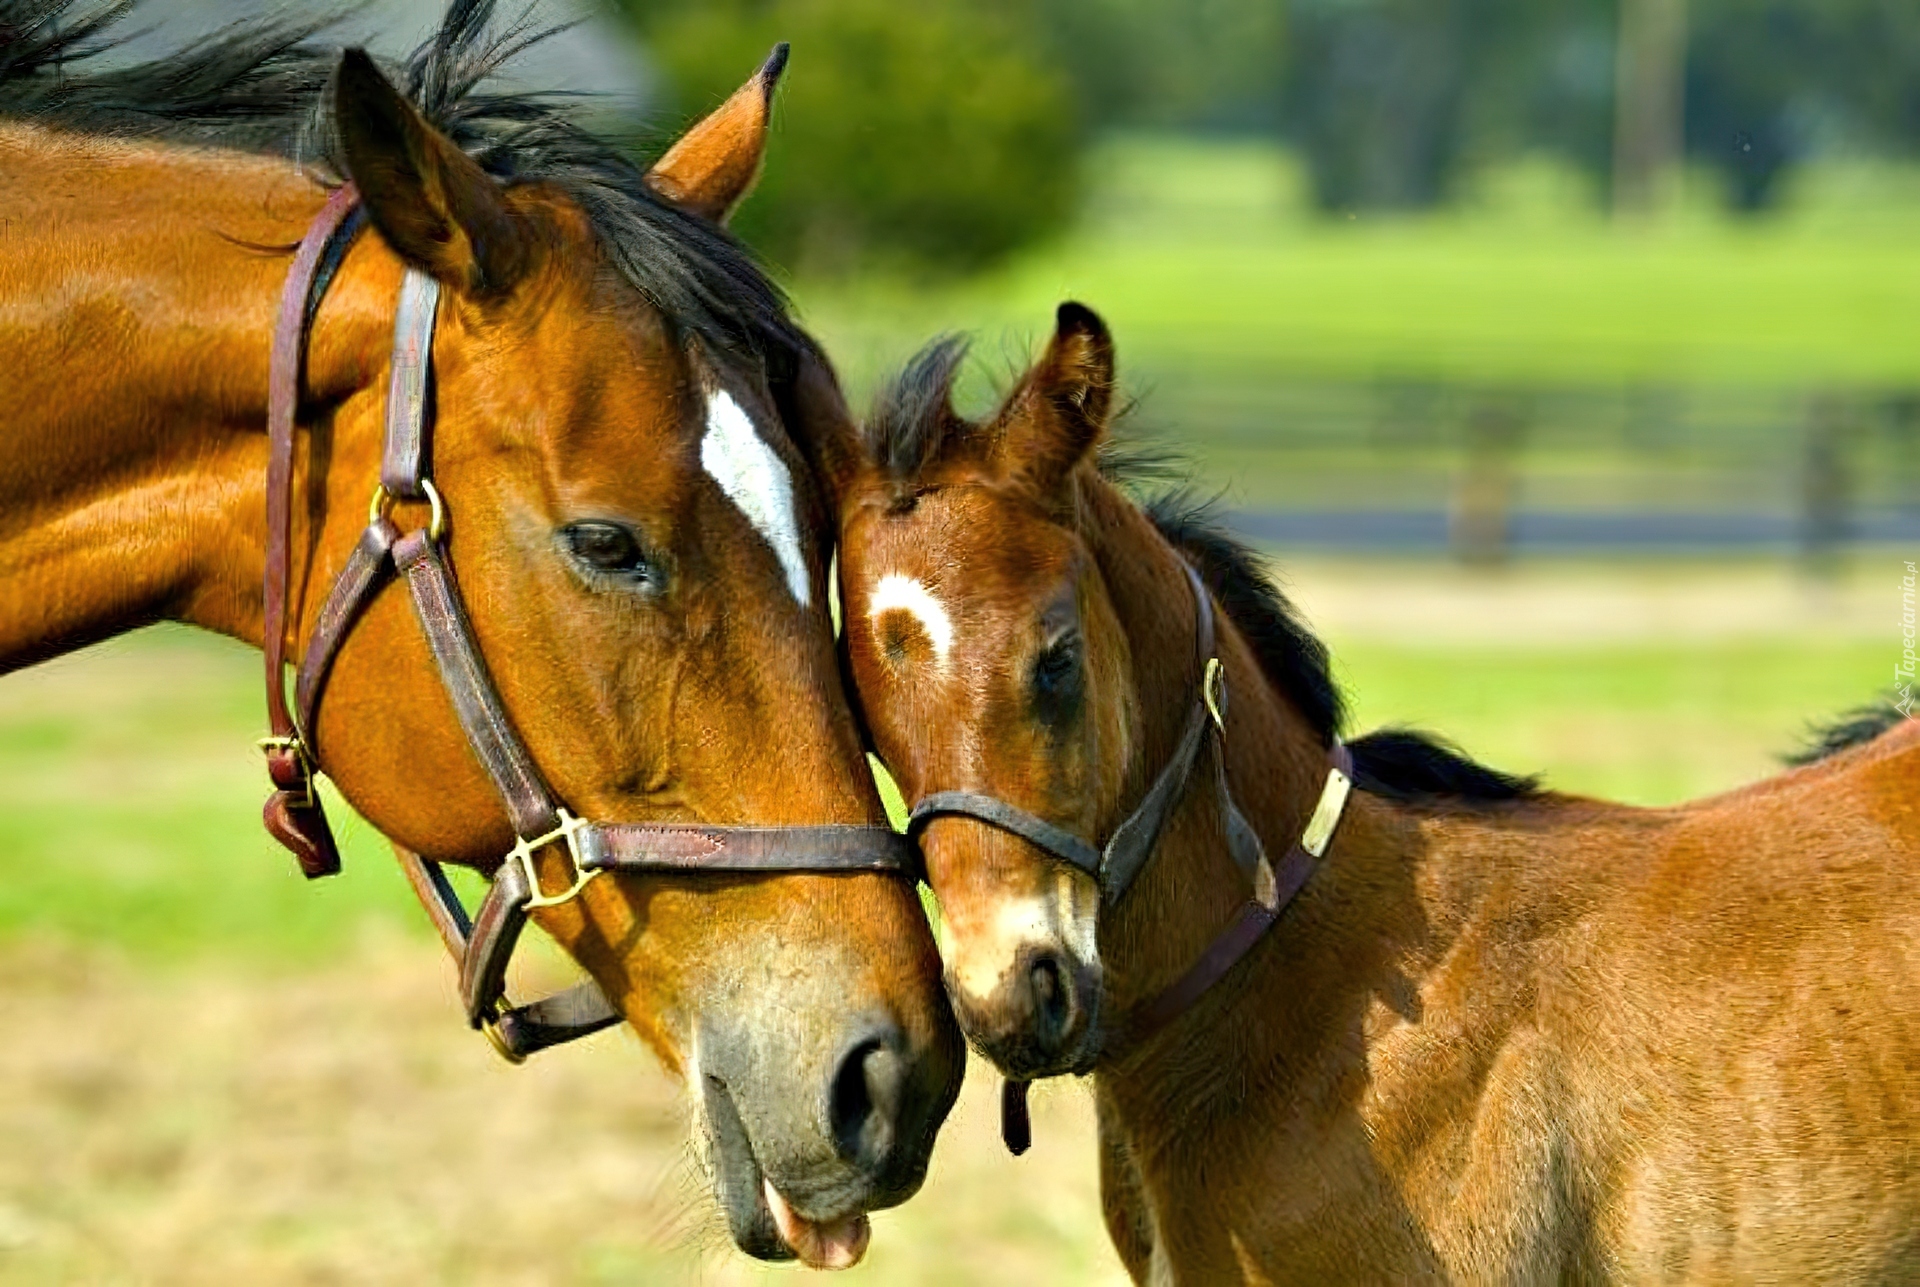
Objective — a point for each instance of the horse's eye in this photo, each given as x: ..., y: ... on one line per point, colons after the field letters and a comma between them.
x: 606, y: 547
x: 1057, y: 678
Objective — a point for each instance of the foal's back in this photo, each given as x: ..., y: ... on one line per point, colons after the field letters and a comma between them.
x: 1688, y: 1040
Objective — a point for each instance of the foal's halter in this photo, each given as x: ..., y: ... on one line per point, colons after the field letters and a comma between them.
x: 1132, y: 843
x: 481, y: 944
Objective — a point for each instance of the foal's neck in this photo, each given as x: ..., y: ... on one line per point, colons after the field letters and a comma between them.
x: 1244, y: 1051
x: 134, y: 341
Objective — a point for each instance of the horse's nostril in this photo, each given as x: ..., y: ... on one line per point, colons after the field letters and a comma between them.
x: 863, y: 1102
x: 1053, y: 1007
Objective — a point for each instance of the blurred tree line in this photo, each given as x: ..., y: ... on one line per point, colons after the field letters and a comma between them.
x: 944, y: 134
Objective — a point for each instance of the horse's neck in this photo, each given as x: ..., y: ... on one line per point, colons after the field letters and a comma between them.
x: 134, y: 340
x: 1191, y: 887
x: 1276, y: 1038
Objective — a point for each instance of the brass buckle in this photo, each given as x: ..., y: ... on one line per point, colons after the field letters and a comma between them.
x: 491, y: 1027
x: 382, y: 505
x: 1213, y: 690
x: 524, y: 849
x: 308, y: 771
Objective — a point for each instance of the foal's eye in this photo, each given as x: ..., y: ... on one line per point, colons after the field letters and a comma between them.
x: 608, y: 548
x: 1057, y: 678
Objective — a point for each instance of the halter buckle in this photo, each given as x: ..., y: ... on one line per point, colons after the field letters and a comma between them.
x: 524, y: 849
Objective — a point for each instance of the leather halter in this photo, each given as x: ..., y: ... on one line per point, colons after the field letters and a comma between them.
x: 1132, y: 843
x: 481, y: 944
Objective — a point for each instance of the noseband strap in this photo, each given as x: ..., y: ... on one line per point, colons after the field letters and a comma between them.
x: 481, y: 944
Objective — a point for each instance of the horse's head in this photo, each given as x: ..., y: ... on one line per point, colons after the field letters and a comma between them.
x: 639, y: 542
x: 988, y: 659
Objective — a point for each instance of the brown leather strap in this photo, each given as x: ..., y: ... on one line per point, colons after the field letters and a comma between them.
x: 551, y: 1021
x: 367, y: 572
x: 519, y: 1030
x: 409, y: 395
x: 1247, y: 928
x: 490, y: 734
x: 1036, y: 831
x: 685, y: 847
x: 496, y: 932
x: 293, y: 814
x: 642, y: 848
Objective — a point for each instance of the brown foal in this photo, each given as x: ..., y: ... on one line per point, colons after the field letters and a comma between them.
x: 620, y: 406
x: 1500, y: 1035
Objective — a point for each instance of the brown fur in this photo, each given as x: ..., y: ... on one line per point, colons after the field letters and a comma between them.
x: 1545, y: 1040
x: 138, y: 309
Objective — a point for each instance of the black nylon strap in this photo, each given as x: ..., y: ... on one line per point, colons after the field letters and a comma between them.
x: 1058, y: 841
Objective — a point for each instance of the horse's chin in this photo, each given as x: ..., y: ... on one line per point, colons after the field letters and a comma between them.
x: 763, y: 1223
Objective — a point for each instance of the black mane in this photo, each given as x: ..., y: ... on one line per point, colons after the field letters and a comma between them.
x: 262, y: 86
x: 1399, y: 763
x: 1844, y: 732
x: 913, y: 424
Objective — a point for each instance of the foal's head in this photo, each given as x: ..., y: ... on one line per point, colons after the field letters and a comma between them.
x: 988, y: 657
x: 633, y: 525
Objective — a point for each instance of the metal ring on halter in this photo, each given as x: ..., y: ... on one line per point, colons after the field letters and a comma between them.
x: 382, y: 504
x: 1213, y: 690
x: 491, y: 1027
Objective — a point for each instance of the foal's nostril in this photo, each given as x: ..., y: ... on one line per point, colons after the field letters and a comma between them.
x: 1053, y: 1005
x: 863, y: 1102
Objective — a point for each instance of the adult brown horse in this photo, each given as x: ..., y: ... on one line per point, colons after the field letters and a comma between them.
x: 617, y: 399
x: 1499, y: 1035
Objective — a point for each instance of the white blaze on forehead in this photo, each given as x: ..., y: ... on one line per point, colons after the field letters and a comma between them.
x: 897, y: 593
x: 757, y: 480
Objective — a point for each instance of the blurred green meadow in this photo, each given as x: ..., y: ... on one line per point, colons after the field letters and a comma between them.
x: 1203, y: 253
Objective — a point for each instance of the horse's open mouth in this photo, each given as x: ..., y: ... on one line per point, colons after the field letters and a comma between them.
x: 763, y: 1222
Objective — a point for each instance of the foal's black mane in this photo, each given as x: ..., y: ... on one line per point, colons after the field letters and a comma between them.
x: 914, y: 423
x: 1844, y: 732
x: 262, y: 86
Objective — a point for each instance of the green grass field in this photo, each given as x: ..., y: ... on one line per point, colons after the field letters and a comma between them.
x: 1199, y: 257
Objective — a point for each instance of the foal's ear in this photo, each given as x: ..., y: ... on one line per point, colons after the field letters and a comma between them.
x: 432, y: 203
x: 714, y: 165
x: 1060, y: 412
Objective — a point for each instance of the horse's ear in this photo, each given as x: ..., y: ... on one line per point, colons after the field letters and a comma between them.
x: 1059, y: 413
x: 712, y: 168
x: 430, y: 201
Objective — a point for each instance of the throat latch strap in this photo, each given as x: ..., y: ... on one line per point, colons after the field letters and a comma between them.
x: 1274, y: 887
